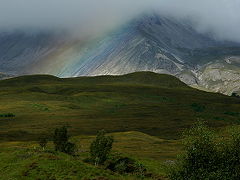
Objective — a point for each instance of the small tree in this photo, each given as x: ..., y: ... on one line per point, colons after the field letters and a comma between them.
x: 60, y: 140
x: 201, y: 156
x: 101, y: 147
x: 231, y: 154
x: 43, y: 142
x: 208, y: 155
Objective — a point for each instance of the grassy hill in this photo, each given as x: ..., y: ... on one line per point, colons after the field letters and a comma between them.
x: 26, y: 160
x: 145, y: 112
x: 158, y: 105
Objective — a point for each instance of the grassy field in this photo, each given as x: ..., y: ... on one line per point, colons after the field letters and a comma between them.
x: 145, y: 112
x: 158, y: 105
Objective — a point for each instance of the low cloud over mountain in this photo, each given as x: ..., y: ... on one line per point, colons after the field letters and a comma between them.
x: 91, y: 17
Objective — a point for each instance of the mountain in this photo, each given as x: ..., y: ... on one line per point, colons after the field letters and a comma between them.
x: 149, y: 42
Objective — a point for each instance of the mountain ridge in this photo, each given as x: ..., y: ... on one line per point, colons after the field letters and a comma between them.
x: 147, y: 43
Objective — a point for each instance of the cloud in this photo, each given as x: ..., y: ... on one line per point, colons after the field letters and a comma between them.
x: 220, y: 17
x: 85, y: 16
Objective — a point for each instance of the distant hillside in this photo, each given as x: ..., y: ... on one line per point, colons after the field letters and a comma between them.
x: 159, y: 105
x: 141, y: 78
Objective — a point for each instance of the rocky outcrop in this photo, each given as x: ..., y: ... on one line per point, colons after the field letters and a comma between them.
x: 221, y: 76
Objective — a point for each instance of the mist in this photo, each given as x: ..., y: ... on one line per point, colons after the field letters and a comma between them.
x: 92, y: 17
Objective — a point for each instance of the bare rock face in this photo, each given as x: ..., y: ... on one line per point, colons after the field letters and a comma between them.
x: 189, y: 77
x: 147, y: 43
x: 221, y: 76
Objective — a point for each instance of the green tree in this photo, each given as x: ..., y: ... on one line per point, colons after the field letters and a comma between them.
x: 101, y: 147
x: 61, y: 141
x: 208, y: 156
x: 200, y: 157
x: 231, y: 154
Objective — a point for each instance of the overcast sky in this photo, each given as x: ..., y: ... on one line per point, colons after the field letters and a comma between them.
x: 222, y: 17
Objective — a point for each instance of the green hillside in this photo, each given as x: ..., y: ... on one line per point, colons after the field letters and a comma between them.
x: 26, y: 160
x: 158, y: 105
x: 144, y: 112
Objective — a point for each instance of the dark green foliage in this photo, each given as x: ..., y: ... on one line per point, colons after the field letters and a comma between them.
x: 234, y: 94
x: 101, y: 147
x: 208, y: 156
x: 125, y: 165
x: 7, y: 115
x: 198, y: 107
x: 43, y: 142
x: 231, y: 155
x: 232, y: 113
x: 69, y: 148
x: 61, y: 139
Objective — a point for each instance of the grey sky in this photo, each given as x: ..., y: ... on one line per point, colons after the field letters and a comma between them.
x: 222, y: 17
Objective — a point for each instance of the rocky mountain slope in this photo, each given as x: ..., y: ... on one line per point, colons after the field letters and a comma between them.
x: 147, y: 43
x: 221, y: 76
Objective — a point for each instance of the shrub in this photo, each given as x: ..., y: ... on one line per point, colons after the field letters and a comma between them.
x: 232, y: 113
x: 60, y: 140
x: 208, y: 156
x: 7, y: 115
x: 101, y: 147
x: 234, y: 94
x: 198, y: 107
x: 43, y: 142
x: 231, y: 154
x: 70, y: 148
x: 124, y: 165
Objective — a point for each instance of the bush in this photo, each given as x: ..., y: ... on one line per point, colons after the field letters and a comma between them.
x: 198, y: 107
x: 234, y: 94
x: 43, y: 142
x: 60, y: 140
x: 208, y: 156
x: 231, y: 154
x: 232, y: 113
x: 124, y: 165
x: 101, y: 147
x: 7, y: 115
x: 70, y: 148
